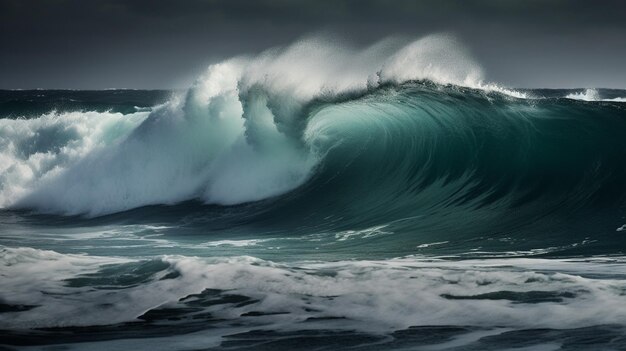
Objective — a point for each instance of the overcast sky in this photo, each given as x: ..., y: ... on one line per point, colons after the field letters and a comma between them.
x: 96, y: 44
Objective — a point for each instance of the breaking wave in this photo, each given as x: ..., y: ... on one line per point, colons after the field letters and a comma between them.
x: 396, y: 131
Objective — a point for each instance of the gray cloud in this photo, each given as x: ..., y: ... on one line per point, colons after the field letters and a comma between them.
x: 158, y: 43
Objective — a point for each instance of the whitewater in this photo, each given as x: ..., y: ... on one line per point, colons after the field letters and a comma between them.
x: 316, y: 196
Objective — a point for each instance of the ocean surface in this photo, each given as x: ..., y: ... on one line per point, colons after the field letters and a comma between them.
x: 279, y: 204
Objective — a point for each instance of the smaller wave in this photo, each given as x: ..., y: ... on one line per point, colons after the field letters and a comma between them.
x: 592, y: 95
x: 618, y: 99
x: 587, y: 95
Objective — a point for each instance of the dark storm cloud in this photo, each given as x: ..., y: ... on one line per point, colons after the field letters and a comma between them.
x: 158, y: 43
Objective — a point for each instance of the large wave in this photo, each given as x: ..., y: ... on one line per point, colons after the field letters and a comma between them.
x: 392, y: 132
x: 235, y: 136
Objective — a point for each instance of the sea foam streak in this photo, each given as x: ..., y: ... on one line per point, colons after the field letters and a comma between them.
x: 235, y: 136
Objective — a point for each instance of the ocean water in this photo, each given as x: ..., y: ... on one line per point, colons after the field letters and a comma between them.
x: 315, y: 197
